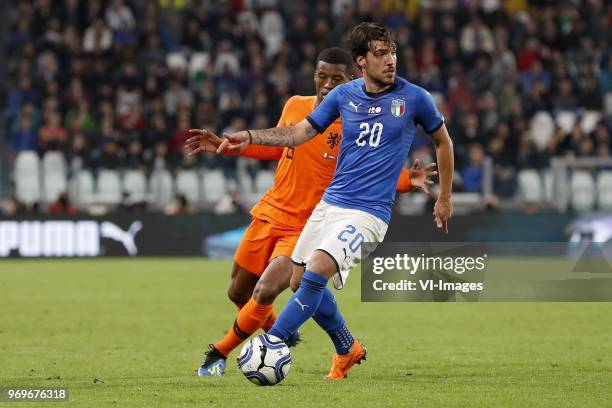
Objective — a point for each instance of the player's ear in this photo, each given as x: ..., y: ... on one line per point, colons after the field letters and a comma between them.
x: 360, y: 60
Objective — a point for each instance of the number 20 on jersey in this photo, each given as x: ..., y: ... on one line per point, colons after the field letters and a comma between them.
x: 369, y: 135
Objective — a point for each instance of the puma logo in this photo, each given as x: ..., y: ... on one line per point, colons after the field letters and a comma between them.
x: 264, y: 351
x: 346, y: 262
x: 303, y: 306
x: 127, y: 238
x: 345, y: 255
x: 352, y: 104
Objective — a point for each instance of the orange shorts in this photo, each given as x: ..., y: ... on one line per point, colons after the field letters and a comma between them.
x: 262, y: 242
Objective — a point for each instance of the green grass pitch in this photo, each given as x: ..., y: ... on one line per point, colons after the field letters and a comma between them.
x: 132, y: 332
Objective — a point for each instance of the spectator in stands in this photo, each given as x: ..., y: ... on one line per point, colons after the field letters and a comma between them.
x: 529, y: 156
x: 20, y: 95
x: 22, y: 33
x: 134, y: 159
x: 79, y: 117
x: 52, y: 37
x: 536, y: 99
x: 194, y: 37
x: 181, y: 133
x: 25, y: 136
x: 120, y: 19
x: 74, y: 93
x: 586, y: 148
x: 174, y: 94
x: 128, y: 205
x: 80, y: 154
x: 47, y: 66
x: 160, y: 155
x: 603, y: 151
x: 71, y: 40
x: 98, y: 38
x: 481, y: 78
x: 476, y: 37
x: 132, y: 122
x: 507, y: 99
x: 473, y: 173
x: 528, y: 56
x: 14, y: 208
x: 112, y: 156
x: 152, y: 53
x: 601, y: 135
x: 157, y: 131
x: 465, y: 133
x: 487, y: 111
x: 52, y: 136
x: 589, y: 97
x: 62, y: 206
x: 180, y: 206
x: 536, y: 73
x: 231, y: 203
x: 565, y: 98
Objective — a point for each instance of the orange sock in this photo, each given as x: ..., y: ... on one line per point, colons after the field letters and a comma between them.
x: 270, y: 322
x: 250, y: 318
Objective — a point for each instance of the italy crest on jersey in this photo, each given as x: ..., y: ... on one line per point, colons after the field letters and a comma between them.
x: 398, y: 107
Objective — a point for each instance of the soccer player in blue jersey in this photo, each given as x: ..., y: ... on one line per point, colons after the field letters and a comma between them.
x: 379, y: 114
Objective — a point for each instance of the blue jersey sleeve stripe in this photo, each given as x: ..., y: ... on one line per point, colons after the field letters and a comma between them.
x: 435, y: 128
x: 315, y: 125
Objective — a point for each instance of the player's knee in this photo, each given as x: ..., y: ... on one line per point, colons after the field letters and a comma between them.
x: 237, y: 296
x: 266, y: 292
x: 322, y: 264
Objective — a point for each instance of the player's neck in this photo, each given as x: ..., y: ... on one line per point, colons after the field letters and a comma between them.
x: 374, y: 87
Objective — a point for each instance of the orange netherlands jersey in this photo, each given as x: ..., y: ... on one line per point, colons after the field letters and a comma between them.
x: 303, y: 172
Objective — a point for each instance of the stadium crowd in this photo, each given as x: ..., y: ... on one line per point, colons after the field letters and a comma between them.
x: 116, y: 84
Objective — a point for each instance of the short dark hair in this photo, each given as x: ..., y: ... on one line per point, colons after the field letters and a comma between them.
x: 336, y: 55
x: 364, y: 33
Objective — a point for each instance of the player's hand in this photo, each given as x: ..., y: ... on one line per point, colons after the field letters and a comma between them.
x: 201, y: 140
x: 421, y: 177
x: 443, y: 210
x: 234, y: 141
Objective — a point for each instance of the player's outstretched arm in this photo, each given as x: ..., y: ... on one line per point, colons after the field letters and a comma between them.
x: 203, y: 140
x: 417, y: 177
x: 443, y: 210
x: 287, y: 136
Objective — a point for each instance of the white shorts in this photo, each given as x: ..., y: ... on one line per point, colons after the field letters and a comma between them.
x: 339, y: 232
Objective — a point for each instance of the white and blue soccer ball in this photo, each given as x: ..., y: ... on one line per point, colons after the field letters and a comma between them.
x: 265, y: 360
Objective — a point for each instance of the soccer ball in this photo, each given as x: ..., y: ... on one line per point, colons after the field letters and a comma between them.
x: 265, y: 360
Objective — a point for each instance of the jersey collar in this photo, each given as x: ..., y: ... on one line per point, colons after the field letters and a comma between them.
x: 379, y: 94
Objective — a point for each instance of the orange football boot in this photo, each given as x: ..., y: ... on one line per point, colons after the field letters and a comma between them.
x: 342, y: 363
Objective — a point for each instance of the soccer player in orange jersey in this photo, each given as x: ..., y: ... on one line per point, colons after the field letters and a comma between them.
x: 262, y: 263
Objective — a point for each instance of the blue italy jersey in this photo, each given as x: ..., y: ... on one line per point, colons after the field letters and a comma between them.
x: 378, y: 130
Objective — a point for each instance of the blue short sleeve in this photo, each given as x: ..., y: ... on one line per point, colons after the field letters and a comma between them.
x: 426, y: 114
x: 327, y: 112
